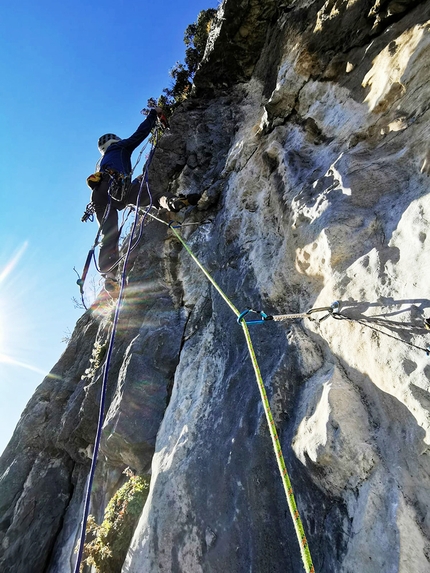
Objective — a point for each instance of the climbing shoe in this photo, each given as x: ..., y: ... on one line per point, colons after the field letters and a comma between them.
x: 191, y: 199
x: 175, y: 204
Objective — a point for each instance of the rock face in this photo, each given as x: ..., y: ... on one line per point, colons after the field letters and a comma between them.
x: 308, y: 136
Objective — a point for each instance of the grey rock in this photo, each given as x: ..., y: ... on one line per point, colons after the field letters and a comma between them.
x: 306, y: 138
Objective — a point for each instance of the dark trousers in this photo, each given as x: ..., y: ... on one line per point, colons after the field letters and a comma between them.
x: 107, y: 216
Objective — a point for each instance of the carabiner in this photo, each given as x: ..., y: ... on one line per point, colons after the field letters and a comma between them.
x: 263, y: 315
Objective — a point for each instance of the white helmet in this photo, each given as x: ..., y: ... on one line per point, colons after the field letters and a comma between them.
x: 106, y: 140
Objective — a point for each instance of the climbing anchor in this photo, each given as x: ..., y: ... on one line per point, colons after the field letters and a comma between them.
x: 333, y: 309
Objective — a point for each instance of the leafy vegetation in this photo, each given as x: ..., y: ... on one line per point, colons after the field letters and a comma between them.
x: 195, y: 38
x: 109, y: 541
x: 97, y: 356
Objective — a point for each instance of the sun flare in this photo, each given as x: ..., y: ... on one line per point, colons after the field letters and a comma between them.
x: 12, y: 319
x: 5, y: 359
x: 8, y: 268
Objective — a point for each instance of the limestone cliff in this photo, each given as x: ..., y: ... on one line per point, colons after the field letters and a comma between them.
x: 307, y: 135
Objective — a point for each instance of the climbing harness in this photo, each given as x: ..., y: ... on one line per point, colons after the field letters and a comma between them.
x: 119, y: 184
x: 298, y: 525
x: 107, y: 362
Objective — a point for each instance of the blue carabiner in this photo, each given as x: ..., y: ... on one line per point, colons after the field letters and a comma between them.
x: 245, y: 312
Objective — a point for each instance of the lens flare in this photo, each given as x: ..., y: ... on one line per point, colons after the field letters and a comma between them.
x: 12, y: 323
x: 9, y: 360
x: 8, y: 268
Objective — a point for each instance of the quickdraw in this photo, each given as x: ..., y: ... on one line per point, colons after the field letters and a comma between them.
x: 330, y: 310
x: 89, y: 213
x: 334, y: 311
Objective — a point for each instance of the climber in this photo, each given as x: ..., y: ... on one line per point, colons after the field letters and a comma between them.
x: 113, y: 190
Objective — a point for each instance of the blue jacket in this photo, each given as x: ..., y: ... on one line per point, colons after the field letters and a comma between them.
x: 118, y: 155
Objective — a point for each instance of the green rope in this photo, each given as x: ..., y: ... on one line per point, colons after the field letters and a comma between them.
x: 292, y: 506
x: 202, y: 268
x: 298, y: 524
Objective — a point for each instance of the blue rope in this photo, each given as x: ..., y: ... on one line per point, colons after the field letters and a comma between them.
x: 106, y: 365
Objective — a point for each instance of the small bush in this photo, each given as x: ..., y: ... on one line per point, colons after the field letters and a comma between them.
x: 195, y: 38
x: 109, y: 542
x: 97, y: 356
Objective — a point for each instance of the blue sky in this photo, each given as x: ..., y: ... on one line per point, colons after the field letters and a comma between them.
x: 70, y: 71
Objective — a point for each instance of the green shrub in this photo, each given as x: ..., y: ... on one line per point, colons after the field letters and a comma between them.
x: 195, y: 38
x: 109, y: 541
x: 97, y: 356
